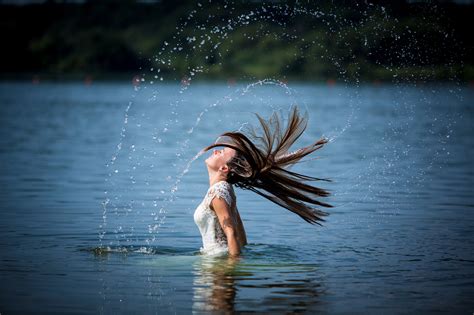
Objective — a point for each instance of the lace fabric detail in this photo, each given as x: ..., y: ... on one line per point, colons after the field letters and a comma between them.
x: 220, y: 190
x: 213, y: 237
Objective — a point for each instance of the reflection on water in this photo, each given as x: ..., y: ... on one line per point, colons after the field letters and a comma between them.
x: 214, y: 284
x: 250, y: 283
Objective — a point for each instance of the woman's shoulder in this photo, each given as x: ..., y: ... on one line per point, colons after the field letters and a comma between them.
x: 221, y: 184
x: 221, y: 189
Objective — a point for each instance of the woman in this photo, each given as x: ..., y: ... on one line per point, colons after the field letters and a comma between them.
x: 257, y: 162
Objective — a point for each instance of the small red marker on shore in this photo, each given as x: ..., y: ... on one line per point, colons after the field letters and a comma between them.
x: 231, y: 82
x: 331, y: 82
x: 185, y: 81
x: 136, y: 80
x: 88, y: 80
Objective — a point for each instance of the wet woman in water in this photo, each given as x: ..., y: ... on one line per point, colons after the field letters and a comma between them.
x: 257, y: 162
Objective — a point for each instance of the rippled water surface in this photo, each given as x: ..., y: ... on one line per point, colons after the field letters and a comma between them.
x: 98, y: 195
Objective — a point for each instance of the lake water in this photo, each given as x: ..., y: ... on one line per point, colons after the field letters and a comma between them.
x: 98, y: 197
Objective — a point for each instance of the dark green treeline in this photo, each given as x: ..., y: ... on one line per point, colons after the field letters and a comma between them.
x: 380, y: 41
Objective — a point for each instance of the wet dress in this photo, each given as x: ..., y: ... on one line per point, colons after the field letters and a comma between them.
x: 214, y: 239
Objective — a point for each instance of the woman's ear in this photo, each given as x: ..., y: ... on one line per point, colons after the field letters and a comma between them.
x: 224, y: 169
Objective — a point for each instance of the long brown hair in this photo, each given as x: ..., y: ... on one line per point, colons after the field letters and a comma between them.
x: 261, y: 161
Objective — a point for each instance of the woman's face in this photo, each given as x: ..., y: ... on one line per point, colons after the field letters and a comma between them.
x: 220, y: 158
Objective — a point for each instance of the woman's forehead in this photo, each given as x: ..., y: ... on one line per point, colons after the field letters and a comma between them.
x: 224, y: 148
x: 229, y: 150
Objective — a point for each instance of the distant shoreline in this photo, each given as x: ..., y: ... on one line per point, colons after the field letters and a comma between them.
x: 117, y: 40
x: 86, y: 80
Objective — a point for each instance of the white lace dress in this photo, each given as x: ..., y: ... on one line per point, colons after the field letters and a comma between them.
x: 213, y: 238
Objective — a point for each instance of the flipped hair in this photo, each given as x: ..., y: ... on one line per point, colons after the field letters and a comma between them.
x: 261, y: 161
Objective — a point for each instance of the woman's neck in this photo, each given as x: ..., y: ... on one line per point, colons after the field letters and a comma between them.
x: 215, y: 177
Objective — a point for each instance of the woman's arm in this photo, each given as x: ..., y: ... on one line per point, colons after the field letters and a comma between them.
x: 240, y: 226
x: 227, y: 223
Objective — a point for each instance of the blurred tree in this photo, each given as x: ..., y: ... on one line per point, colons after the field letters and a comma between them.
x: 349, y: 41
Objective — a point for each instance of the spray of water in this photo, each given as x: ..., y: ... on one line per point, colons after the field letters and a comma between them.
x: 192, y: 37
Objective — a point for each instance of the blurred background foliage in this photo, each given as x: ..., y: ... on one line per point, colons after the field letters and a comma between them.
x: 112, y: 39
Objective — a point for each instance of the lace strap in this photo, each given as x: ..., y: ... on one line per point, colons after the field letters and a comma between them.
x: 220, y: 190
